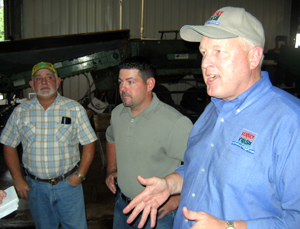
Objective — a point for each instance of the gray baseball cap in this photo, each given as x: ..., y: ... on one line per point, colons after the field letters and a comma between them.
x: 227, y: 22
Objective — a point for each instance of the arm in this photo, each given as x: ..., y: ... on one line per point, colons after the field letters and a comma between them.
x: 111, y: 166
x: 86, y: 160
x: 2, y: 195
x: 154, y: 195
x: 12, y: 160
x: 207, y: 221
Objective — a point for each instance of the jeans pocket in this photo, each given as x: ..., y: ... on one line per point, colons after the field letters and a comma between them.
x: 32, y: 183
x: 72, y: 185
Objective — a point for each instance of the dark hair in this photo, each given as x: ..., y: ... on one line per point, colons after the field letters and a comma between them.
x: 143, y: 64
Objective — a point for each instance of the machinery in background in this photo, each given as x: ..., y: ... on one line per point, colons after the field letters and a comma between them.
x: 98, y: 53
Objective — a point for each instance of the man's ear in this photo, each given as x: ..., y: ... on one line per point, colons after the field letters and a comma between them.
x: 31, y: 84
x: 255, y: 56
x: 58, y: 82
x: 150, y: 83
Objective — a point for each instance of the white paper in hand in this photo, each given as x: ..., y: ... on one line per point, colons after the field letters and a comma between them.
x: 10, y: 203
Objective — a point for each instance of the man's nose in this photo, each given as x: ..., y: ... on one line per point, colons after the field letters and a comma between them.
x: 44, y: 80
x: 122, y: 87
x: 207, y: 61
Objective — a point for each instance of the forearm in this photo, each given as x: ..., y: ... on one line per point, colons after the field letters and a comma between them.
x: 87, y: 158
x: 174, y: 181
x: 111, y: 156
x: 13, y: 162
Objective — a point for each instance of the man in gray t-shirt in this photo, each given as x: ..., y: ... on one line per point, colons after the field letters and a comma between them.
x: 146, y: 137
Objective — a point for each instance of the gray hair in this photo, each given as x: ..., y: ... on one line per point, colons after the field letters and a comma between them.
x: 247, y: 44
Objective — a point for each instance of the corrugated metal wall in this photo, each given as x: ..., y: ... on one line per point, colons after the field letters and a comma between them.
x: 60, y: 17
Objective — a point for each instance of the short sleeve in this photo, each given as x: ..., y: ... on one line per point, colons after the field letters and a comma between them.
x: 178, y: 138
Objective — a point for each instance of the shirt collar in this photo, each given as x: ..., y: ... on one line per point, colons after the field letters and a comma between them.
x: 248, y: 97
x: 148, y: 111
x: 35, y: 101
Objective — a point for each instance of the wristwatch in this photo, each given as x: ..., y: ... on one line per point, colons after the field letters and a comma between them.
x: 80, y: 176
x: 230, y: 225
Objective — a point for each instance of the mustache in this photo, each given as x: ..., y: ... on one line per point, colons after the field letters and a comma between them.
x: 125, y: 93
x: 45, y: 87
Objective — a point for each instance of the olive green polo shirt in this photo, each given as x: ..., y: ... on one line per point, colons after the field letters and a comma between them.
x: 152, y: 143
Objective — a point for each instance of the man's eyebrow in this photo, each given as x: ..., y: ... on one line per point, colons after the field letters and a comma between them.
x: 129, y: 78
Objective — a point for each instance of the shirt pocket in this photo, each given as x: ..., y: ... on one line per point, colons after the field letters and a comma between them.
x: 64, y: 133
x: 27, y: 132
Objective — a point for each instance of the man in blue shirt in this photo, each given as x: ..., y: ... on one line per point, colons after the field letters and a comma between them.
x: 241, y: 164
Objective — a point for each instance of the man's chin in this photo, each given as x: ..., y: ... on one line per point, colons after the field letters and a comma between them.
x: 44, y: 94
x: 127, y: 104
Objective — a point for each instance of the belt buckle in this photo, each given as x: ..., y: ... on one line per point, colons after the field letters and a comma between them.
x: 53, y: 181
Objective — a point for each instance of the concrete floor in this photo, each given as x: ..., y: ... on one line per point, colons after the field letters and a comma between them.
x: 99, y: 200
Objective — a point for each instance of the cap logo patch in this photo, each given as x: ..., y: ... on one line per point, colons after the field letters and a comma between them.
x: 214, y: 18
x: 245, y: 141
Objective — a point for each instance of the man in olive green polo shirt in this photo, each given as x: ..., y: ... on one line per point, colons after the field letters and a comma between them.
x: 146, y: 137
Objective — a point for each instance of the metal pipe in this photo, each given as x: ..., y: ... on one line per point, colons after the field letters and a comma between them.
x: 121, y: 12
x: 142, y: 21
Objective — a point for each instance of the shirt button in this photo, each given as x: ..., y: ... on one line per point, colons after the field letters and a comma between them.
x: 212, y: 144
x: 203, y: 170
x: 238, y: 110
x: 222, y: 120
x: 193, y: 195
x: 132, y: 120
x: 186, y: 220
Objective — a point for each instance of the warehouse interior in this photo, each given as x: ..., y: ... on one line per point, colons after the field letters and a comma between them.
x: 86, y: 40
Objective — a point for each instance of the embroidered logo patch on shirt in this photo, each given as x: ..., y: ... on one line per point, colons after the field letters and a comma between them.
x: 245, y: 141
x: 214, y: 18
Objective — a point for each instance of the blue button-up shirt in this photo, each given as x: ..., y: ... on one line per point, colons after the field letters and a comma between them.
x: 242, y: 160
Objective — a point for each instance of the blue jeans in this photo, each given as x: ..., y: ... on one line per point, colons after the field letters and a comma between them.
x: 120, y: 218
x: 51, y: 205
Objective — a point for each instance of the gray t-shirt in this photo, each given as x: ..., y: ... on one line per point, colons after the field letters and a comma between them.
x: 152, y: 143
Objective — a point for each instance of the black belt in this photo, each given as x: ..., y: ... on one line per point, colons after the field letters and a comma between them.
x: 54, y: 180
x: 125, y: 198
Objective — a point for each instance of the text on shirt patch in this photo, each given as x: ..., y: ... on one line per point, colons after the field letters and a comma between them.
x: 245, y: 141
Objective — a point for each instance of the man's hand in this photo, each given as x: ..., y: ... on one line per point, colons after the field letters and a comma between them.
x: 21, y: 187
x: 74, y: 180
x: 2, y: 195
x: 171, y: 205
x: 203, y: 220
x: 148, y: 201
x: 207, y: 221
x: 110, y: 181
